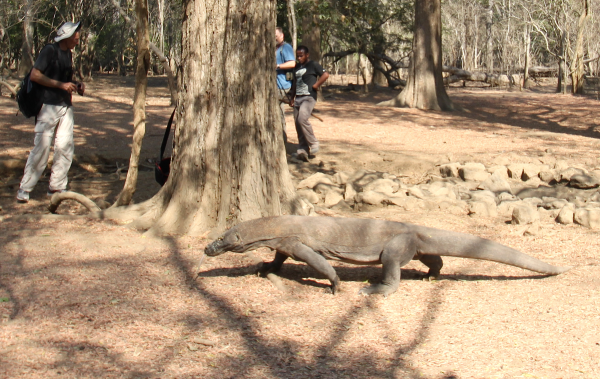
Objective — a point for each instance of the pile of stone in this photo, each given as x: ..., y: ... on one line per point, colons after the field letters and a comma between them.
x: 525, y: 192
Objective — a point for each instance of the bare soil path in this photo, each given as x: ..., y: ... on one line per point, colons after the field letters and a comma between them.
x: 83, y: 298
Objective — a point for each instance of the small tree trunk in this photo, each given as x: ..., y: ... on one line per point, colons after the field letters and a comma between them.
x: 362, y: 69
x: 425, y: 85
x: 577, y: 69
x: 489, y: 43
x: 527, y: 40
x: 139, y: 101
x: 27, y: 60
x: 291, y: 6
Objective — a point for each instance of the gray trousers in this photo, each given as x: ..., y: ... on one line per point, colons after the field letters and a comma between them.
x: 303, y: 107
x: 282, y: 106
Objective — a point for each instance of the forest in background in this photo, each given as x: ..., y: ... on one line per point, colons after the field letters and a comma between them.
x: 370, y: 38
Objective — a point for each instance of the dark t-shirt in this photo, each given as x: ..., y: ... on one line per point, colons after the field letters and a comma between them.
x: 306, y: 76
x: 60, y: 69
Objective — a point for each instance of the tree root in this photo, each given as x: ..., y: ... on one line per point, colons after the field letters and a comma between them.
x: 58, y: 198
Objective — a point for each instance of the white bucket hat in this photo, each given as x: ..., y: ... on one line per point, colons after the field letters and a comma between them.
x: 66, y: 30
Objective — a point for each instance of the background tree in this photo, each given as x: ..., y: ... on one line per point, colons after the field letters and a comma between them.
x: 425, y: 86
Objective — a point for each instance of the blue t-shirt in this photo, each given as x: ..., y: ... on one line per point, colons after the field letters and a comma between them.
x: 285, y: 53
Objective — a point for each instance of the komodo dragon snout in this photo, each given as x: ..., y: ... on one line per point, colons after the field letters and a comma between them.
x: 315, y: 240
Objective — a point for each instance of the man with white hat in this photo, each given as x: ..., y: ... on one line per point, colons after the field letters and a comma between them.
x: 53, y: 70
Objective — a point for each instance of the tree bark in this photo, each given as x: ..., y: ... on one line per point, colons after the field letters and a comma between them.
x: 229, y: 162
x: 489, y: 43
x: 27, y: 60
x: 577, y: 70
x: 527, y: 41
x: 139, y: 101
x: 425, y: 85
x: 291, y: 8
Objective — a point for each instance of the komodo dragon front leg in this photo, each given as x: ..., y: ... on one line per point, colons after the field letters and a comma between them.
x: 400, y: 250
x: 295, y: 249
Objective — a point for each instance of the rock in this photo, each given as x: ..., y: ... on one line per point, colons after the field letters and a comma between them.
x: 484, y: 207
x: 530, y: 171
x: 495, y: 183
x: 313, y: 180
x: 309, y: 195
x: 332, y: 198
x: 505, y: 208
x: 342, y: 206
x: 444, y: 193
x: 372, y: 198
x: 561, y: 165
x: 482, y: 194
x: 449, y: 170
x: 323, y: 188
x: 505, y: 196
x: 547, y: 176
x: 554, y: 203
x: 349, y: 193
x: 532, y: 230
x: 341, y: 177
x: 565, y: 175
x: 548, y: 159
x: 362, y: 178
x: 515, y: 171
x: 498, y: 170
x: 533, y: 201
x: 589, y: 218
x: 416, y: 192
x: 583, y: 181
x: 524, y: 214
x: 473, y: 172
x: 386, y: 186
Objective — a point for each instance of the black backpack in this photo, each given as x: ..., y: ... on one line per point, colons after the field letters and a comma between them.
x: 162, y: 167
x: 30, y: 95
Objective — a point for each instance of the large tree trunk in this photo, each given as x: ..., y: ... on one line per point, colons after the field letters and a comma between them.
x: 229, y: 162
x: 425, y: 86
x: 139, y: 101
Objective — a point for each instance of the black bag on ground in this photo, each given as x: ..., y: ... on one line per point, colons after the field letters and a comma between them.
x: 163, y: 166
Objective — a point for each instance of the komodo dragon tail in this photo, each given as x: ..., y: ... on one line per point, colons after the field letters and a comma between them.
x: 454, y: 244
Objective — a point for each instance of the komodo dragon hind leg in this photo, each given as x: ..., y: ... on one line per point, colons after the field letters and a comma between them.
x: 434, y: 263
x: 272, y: 266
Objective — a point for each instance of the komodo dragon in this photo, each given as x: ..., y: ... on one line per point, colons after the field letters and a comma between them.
x: 313, y: 240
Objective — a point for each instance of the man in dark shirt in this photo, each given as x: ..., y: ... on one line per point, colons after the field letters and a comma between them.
x: 53, y: 70
x: 309, y: 76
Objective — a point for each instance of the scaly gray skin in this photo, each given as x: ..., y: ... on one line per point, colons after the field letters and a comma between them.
x: 314, y: 240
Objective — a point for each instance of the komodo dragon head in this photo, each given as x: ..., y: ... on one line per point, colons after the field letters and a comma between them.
x: 243, y: 237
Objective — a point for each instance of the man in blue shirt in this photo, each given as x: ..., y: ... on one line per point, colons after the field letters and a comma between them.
x: 286, y: 61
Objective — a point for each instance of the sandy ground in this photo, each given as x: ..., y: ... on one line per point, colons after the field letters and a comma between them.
x: 83, y: 298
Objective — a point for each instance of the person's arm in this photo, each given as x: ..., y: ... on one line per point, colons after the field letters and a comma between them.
x: 287, y: 65
x: 38, y: 77
x: 320, y: 81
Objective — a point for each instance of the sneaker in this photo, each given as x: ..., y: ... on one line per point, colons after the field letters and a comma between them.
x: 314, y: 150
x: 302, y: 155
x: 52, y: 192
x: 22, y: 196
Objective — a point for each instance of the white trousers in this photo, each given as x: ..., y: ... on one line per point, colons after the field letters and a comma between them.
x: 51, y: 119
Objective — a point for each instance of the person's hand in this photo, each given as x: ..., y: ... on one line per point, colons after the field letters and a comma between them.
x: 69, y: 87
x: 315, y: 87
x: 292, y: 102
x: 80, y: 88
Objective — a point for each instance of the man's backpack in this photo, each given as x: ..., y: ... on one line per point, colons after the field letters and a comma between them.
x: 30, y: 95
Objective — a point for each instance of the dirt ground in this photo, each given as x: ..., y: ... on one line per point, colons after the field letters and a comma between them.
x: 83, y: 298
